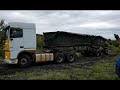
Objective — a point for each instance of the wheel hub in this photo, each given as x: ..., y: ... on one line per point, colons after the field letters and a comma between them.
x: 23, y: 61
x: 71, y: 58
x: 60, y: 59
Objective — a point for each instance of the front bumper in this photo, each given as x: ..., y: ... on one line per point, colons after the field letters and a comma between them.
x: 12, y: 61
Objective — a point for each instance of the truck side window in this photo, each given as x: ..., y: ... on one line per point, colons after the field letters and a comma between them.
x: 16, y: 33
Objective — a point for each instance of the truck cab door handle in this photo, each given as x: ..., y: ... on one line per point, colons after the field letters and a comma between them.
x: 21, y: 47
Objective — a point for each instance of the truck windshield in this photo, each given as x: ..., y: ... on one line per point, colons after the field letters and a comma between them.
x: 16, y: 33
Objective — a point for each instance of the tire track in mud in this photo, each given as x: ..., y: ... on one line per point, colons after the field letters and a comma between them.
x: 89, y: 61
x: 79, y: 63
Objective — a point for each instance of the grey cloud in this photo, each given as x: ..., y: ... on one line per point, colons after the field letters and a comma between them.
x: 63, y: 20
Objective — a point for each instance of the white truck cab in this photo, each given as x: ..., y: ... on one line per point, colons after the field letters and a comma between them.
x: 20, y: 37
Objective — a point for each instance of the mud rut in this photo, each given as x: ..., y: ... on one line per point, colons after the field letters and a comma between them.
x: 79, y: 63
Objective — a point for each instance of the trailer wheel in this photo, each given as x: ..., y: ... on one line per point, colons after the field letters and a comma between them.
x: 82, y: 53
x: 70, y: 57
x: 59, y: 58
x: 24, y: 61
x: 106, y: 52
x: 100, y: 53
x: 97, y: 54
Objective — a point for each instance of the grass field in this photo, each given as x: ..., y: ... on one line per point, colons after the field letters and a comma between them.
x: 103, y: 69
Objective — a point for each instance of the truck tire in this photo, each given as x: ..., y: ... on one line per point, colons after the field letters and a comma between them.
x: 82, y: 53
x: 70, y: 57
x: 97, y: 54
x: 106, y: 52
x: 100, y: 53
x: 59, y: 58
x: 24, y: 61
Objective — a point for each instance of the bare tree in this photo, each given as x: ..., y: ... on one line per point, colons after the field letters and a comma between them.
x: 2, y: 24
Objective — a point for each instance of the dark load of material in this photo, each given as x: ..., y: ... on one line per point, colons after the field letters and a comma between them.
x: 61, y: 38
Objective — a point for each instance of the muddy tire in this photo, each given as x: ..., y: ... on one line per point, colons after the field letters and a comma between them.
x: 82, y: 53
x: 106, y: 52
x: 59, y: 58
x: 100, y: 53
x: 24, y: 61
x: 70, y: 57
x: 97, y: 54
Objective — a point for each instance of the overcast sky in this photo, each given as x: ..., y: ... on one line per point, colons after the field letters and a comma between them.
x: 95, y: 22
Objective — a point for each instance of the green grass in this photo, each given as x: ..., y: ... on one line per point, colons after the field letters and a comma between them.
x: 102, y: 70
x: 78, y: 54
x: 117, y: 50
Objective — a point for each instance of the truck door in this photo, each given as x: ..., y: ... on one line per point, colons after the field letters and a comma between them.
x: 16, y: 41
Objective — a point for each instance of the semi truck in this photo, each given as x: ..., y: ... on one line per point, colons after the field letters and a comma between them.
x: 60, y: 46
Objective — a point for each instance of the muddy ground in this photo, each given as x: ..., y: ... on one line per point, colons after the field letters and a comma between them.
x: 81, y: 62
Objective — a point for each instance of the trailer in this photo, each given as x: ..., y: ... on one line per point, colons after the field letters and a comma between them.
x: 20, y: 45
x: 86, y: 44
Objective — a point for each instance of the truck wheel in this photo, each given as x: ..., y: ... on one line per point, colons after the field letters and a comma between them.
x: 100, y: 53
x: 97, y: 54
x: 59, y: 58
x: 82, y: 53
x: 70, y: 57
x: 106, y: 52
x: 24, y: 61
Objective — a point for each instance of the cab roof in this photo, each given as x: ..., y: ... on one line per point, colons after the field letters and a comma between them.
x: 22, y: 25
